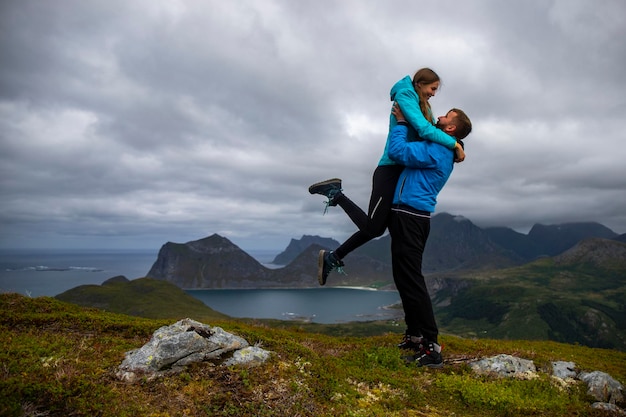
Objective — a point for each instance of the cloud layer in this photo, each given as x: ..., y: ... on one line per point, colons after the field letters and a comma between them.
x: 126, y: 124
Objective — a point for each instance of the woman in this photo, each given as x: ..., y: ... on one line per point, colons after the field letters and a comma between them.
x: 412, y: 96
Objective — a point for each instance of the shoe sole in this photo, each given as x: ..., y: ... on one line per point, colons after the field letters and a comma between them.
x: 320, y: 268
x: 330, y: 181
x: 412, y: 360
x: 432, y: 365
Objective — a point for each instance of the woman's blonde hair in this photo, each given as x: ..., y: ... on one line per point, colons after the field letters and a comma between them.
x: 425, y: 76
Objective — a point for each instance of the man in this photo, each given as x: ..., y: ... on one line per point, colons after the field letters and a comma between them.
x: 427, y: 168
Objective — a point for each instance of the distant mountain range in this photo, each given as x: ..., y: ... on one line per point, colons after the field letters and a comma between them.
x: 215, y: 262
x: 560, y: 282
x: 455, y: 244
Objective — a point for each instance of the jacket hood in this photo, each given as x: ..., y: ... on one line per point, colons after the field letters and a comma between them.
x: 403, y: 84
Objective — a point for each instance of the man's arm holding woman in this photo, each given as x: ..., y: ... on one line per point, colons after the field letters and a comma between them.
x: 425, y: 129
x: 410, y: 154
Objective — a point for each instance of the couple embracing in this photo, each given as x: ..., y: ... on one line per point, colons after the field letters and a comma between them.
x: 417, y: 161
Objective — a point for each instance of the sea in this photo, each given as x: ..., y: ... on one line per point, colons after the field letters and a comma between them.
x: 37, y: 273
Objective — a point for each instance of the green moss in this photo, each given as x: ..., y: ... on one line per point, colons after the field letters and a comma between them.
x: 60, y: 359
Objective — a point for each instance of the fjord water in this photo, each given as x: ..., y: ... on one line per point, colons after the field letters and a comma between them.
x: 317, y: 305
x: 51, y: 272
x: 39, y: 273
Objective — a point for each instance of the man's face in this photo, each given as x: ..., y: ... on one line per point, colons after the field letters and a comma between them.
x: 446, y: 122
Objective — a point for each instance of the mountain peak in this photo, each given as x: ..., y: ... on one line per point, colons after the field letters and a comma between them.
x: 297, y: 246
x: 595, y: 251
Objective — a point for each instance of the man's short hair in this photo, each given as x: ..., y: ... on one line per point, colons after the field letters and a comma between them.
x: 463, y: 124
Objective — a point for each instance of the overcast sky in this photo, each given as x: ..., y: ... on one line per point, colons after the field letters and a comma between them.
x: 128, y: 124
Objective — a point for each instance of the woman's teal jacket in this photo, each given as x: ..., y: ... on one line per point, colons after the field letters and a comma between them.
x: 404, y: 94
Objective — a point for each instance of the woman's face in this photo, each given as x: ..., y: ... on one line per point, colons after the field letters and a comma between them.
x: 428, y: 90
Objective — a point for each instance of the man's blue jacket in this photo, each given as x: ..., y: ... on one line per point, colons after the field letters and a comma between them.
x: 428, y: 166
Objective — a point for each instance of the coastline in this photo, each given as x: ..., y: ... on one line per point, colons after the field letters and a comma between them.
x: 319, y: 287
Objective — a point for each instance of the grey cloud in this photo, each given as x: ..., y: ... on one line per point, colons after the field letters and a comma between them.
x: 128, y: 124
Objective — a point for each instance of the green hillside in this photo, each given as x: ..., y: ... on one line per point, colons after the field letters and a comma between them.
x: 576, y: 302
x: 59, y: 359
x: 142, y: 297
x: 576, y: 297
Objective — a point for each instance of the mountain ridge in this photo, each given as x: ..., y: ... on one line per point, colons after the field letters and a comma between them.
x: 455, y: 244
x: 574, y: 297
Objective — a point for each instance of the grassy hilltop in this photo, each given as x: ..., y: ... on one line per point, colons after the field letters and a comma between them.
x: 59, y: 359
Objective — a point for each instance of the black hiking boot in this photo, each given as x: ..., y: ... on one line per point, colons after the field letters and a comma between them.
x: 326, y: 262
x: 429, y: 356
x: 329, y: 188
x: 414, y: 343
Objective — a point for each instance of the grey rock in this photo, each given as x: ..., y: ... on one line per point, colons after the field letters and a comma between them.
x: 505, y: 366
x: 564, y: 370
x: 251, y: 355
x: 612, y: 408
x: 173, y: 347
x: 600, y: 385
x: 603, y: 387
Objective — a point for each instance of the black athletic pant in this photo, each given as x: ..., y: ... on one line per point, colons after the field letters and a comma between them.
x: 374, y: 223
x: 409, y: 231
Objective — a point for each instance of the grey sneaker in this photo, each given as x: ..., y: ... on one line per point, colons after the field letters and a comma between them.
x: 326, y: 262
x: 329, y: 188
